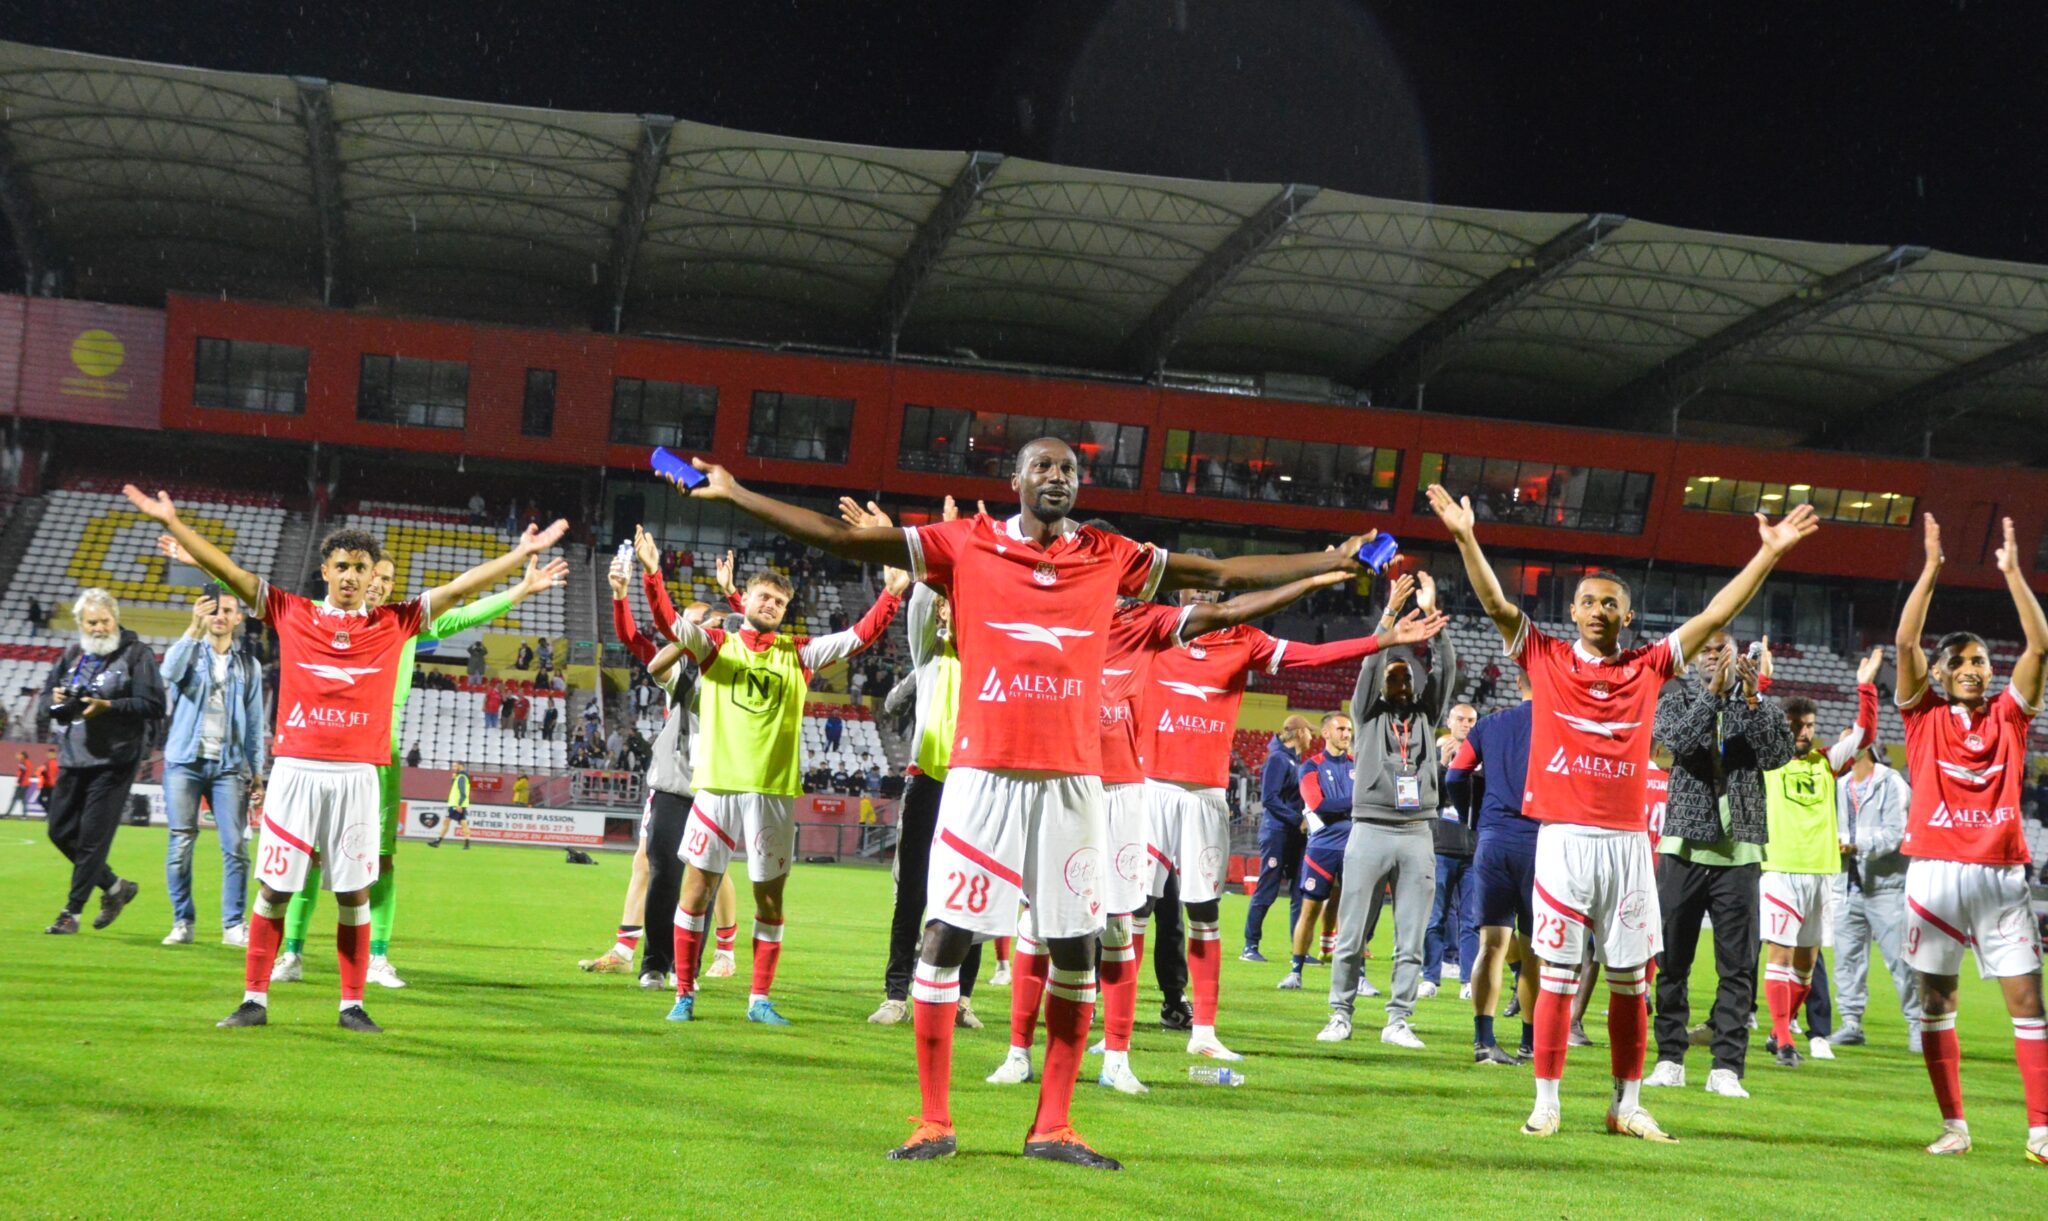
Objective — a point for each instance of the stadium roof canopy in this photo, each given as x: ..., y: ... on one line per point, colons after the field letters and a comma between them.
x: 123, y: 181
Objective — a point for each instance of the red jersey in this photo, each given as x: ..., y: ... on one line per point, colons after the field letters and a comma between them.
x: 1589, y: 737
x: 1191, y: 703
x: 1137, y: 633
x: 337, y: 672
x: 1658, y: 791
x: 1031, y: 625
x: 1966, y: 779
x: 50, y: 772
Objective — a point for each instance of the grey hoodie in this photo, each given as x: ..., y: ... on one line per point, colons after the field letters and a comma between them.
x: 1381, y: 729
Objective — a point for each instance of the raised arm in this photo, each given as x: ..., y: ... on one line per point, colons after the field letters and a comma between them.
x: 1913, y: 616
x: 211, y: 559
x: 2028, y: 671
x: 1456, y: 515
x: 868, y: 545
x: 638, y: 646
x: 1206, y: 617
x: 1776, y: 538
x: 538, y: 579
x: 1244, y: 572
x: 1864, y: 732
x: 1442, y: 687
x: 490, y: 572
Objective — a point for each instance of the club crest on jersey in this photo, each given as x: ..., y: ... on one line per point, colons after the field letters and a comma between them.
x: 1197, y: 652
x: 341, y: 639
x: 1601, y: 690
x: 1045, y: 574
x: 1974, y: 742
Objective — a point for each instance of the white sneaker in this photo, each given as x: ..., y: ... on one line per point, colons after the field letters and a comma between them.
x: 1212, y: 1047
x: 1667, y: 1073
x: 721, y: 965
x: 964, y: 1016
x: 382, y: 973
x: 1423, y: 991
x: 1400, y: 1035
x: 1637, y: 1123
x: 1290, y: 982
x: 2037, y: 1150
x: 1464, y: 992
x: 1365, y: 987
x: 1120, y: 1078
x: 1014, y: 1070
x: 181, y: 933
x: 1001, y: 979
x: 891, y: 1012
x: 237, y: 936
x: 1955, y: 1138
x: 1543, y: 1121
x: 1819, y: 1049
x: 1724, y: 1082
x: 1336, y: 1030
x: 289, y: 969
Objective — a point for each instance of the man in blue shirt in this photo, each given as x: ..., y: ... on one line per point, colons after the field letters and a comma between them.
x: 214, y: 747
x: 1489, y: 773
x: 1326, y: 779
x: 1282, y: 834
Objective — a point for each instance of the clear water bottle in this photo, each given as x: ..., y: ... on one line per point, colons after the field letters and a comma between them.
x: 1202, y: 1074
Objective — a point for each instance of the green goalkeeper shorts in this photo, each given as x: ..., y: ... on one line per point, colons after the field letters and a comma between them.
x: 387, y: 795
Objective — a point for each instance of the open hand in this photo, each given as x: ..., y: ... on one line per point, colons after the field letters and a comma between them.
x: 166, y: 545
x: 718, y: 482
x: 1867, y: 669
x: 156, y: 508
x: 1425, y: 598
x: 1784, y: 534
x: 1414, y: 628
x: 1930, y: 540
x: 536, y: 539
x: 1456, y: 515
x: 951, y: 511
x: 723, y: 574
x: 2009, y: 551
x: 1397, y: 597
x: 542, y: 577
x: 645, y: 550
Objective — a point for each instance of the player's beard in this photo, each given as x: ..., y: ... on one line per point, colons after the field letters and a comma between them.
x: 99, y: 646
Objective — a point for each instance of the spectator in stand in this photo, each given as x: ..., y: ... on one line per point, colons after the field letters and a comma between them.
x: 834, y: 727
x: 524, y: 659
x: 493, y: 701
x: 874, y: 782
x: 412, y: 757
x: 548, y: 721
x: 522, y: 791
x: 856, y: 685
x: 479, y: 657
x: 521, y: 706
x: 558, y: 683
x: 476, y: 508
x: 547, y: 653
x: 37, y: 616
x: 102, y: 694
x: 1489, y: 679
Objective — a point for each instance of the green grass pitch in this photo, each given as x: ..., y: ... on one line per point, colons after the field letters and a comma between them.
x: 512, y: 1084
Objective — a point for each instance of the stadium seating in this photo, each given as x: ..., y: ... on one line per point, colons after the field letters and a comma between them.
x: 431, y: 545
x: 858, y: 736
x: 448, y: 727
x: 90, y: 536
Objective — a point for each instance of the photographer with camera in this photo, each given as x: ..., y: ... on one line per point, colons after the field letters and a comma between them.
x: 102, y: 695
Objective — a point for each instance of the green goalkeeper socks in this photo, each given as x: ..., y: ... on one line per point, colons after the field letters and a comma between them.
x: 299, y: 916
x: 383, y: 907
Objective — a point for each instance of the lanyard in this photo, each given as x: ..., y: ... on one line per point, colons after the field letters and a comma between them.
x: 1401, y: 731
x: 77, y: 671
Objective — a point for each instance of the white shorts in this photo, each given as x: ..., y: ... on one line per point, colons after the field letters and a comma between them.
x: 1006, y: 835
x: 1190, y: 836
x: 1129, y: 878
x: 332, y: 809
x: 1951, y: 905
x: 1592, y: 882
x: 1793, y: 908
x: 723, y: 825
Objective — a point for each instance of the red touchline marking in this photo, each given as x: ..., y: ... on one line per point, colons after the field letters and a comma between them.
x: 286, y: 836
x: 726, y: 839
x: 1788, y: 907
x: 980, y: 858
x: 1561, y: 909
x: 1936, y: 921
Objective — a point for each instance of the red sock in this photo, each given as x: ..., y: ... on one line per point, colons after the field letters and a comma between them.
x: 1119, y: 996
x: 2030, y: 1047
x: 1944, y: 1058
x: 629, y: 937
x: 767, y: 952
x: 726, y: 937
x: 1554, y: 1020
x: 1069, y: 1008
x: 1628, y: 1023
x: 1778, y: 984
x: 689, y: 945
x: 935, y: 992
x: 352, y: 949
x: 1205, y: 968
x: 1329, y: 944
x: 1002, y: 949
x: 1027, y: 988
x: 266, y: 932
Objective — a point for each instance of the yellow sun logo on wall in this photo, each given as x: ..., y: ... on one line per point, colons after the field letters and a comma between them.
x: 97, y: 353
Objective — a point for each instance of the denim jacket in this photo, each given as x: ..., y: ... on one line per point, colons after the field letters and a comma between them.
x: 189, y: 678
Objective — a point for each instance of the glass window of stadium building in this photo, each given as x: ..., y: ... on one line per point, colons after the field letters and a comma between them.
x: 956, y: 441
x: 1279, y: 469
x: 1540, y: 493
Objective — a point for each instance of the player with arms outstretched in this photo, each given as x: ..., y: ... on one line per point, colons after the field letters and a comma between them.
x: 339, y: 662
x: 1022, y: 814
x: 1966, y: 883
x: 1593, y: 704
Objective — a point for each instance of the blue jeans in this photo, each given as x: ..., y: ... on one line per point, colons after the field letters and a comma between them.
x: 1449, y: 930
x: 183, y: 785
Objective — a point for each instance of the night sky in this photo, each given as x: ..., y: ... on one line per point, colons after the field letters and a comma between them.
x: 1870, y: 122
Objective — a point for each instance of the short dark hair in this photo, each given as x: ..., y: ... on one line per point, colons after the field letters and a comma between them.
x: 770, y: 577
x: 1956, y: 640
x: 1026, y: 447
x: 1799, y: 706
x: 1609, y: 575
x: 347, y: 539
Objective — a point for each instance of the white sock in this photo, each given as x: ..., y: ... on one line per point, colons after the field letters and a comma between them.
x: 261, y: 998
x: 2036, y: 1132
x: 1020, y: 1053
x: 1205, y: 1034
x: 755, y: 998
x: 1628, y: 1096
x: 348, y: 1005
x: 1546, y: 1093
x: 1114, y: 1060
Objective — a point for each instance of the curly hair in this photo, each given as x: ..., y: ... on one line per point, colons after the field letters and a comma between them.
x: 351, y: 540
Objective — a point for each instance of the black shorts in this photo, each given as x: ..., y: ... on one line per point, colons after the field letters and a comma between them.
x: 455, y: 815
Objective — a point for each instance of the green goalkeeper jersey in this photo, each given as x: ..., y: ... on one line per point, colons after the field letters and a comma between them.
x: 461, y: 619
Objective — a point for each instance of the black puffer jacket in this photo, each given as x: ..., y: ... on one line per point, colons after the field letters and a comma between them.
x: 128, y: 679
x: 1719, y: 746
